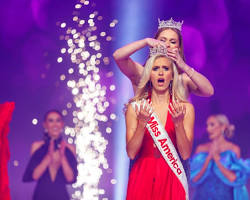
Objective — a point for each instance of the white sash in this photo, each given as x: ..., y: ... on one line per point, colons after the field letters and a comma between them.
x: 167, y: 149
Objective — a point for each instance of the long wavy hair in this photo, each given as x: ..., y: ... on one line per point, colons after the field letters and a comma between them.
x: 176, y: 88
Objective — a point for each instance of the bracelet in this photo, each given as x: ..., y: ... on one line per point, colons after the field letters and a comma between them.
x: 192, y: 73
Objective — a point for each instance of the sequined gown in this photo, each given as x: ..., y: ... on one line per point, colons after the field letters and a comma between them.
x: 150, y: 177
x: 213, y: 185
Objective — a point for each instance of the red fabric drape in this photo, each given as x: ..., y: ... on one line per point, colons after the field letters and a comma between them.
x: 6, y: 110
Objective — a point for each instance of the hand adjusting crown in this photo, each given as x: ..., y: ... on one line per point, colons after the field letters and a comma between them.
x: 170, y: 24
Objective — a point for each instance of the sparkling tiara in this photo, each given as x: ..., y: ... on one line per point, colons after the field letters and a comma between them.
x: 160, y: 50
x: 170, y: 24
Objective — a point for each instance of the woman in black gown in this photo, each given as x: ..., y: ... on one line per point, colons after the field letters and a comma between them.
x: 53, y: 163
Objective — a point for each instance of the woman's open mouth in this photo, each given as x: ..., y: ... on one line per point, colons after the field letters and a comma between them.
x: 160, y: 81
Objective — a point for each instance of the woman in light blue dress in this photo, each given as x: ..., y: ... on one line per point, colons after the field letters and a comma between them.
x: 217, y: 172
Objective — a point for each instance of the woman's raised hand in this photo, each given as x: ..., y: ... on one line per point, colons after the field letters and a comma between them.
x: 51, y: 150
x: 144, y: 112
x: 51, y: 147
x: 154, y: 43
x: 174, y: 54
x: 177, y: 112
x: 214, y: 151
x: 62, y: 148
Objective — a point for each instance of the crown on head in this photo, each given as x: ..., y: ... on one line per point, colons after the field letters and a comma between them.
x: 160, y: 50
x: 170, y: 24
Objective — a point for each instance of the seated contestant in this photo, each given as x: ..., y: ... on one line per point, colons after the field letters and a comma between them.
x: 169, y: 35
x: 217, y: 172
x: 53, y: 163
x: 159, y: 132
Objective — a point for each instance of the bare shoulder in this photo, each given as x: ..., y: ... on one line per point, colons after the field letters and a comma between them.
x: 235, y: 148
x: 130, y: 110
x: 35, y: 146
x: 189, y: 108
x: 188, y: 105
x: 202, y: 148
x: 189, y: 117
x: 71, y: 147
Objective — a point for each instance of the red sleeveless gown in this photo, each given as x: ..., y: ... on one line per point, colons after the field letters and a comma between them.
x: 151, y: 178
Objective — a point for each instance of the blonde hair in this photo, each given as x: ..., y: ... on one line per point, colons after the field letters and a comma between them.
x: 144, y: 88
x: 223, y: 120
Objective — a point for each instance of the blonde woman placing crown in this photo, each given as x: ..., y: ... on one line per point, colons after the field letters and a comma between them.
x: 169, y: 35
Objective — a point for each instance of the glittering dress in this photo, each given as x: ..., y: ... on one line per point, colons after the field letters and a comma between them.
x: 213, y: 185
x: 6, y: 110
x: 151, y: 178
x: 46, y: 189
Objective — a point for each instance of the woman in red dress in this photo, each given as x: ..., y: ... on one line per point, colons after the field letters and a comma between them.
x: 6, y: 110
x: 159, y: 91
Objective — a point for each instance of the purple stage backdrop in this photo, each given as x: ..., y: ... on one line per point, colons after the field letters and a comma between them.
x: 216, y: 43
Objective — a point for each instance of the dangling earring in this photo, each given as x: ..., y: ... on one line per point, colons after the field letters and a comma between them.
x: 170, y: 87
x: 224, y: 133
x: 150, y: 84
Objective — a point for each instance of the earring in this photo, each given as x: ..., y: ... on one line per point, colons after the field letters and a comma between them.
x: 170, y: 87
x: 224, y: 133
x: 46, y: 130
x: 150, y: 84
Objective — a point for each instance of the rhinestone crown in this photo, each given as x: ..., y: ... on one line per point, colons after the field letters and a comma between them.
x: 170, y: 24
x: 160, y: 50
